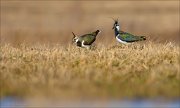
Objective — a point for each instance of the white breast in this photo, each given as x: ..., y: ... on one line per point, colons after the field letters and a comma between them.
x: 119, y: 40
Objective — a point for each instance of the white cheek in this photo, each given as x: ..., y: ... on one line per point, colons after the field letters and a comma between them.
x: 76, y: 40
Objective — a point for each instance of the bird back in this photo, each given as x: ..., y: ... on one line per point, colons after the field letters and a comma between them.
x: 130, y: 38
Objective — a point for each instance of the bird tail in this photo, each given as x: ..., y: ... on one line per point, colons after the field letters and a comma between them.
x: 142, y: 37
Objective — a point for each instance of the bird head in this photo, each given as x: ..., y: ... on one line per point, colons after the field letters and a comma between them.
x: 116, y: 24
x: 75, y: 38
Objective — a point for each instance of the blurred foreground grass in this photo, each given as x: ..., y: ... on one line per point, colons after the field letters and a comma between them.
x: 136, y: 70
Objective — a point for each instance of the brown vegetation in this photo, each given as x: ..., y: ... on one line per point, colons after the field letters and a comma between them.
x: 136, y: 70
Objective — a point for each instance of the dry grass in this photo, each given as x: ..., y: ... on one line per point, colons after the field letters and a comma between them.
x: 137, y: 70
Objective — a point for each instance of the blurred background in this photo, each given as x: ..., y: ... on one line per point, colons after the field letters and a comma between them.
x: 53, y: 21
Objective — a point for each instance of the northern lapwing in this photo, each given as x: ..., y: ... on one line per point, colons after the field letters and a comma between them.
x: 86, y: 40
x: 124, y: 37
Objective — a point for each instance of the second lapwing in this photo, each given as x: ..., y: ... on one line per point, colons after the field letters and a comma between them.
x: 86, y: 40
x: 124, y: 37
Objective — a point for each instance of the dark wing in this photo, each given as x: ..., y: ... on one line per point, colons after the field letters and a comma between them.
x: 129, y: 37
x: 88, y: 39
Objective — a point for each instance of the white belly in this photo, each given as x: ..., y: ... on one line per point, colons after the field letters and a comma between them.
x: 119, y: 40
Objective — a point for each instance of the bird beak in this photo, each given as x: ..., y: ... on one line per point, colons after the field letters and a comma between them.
x: 113, y: 27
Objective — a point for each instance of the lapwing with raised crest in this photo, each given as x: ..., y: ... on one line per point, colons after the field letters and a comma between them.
x: 85, y: 41
x: 124, y: 37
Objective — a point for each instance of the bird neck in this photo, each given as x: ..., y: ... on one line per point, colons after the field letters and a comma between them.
x: 116, y: 30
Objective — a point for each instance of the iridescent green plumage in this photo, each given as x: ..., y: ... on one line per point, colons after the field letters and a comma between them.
x: 88, y: 38
x: 124, y: 36
x: 85, y: 40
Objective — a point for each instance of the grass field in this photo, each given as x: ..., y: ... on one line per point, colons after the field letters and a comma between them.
x: 138, y: 70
